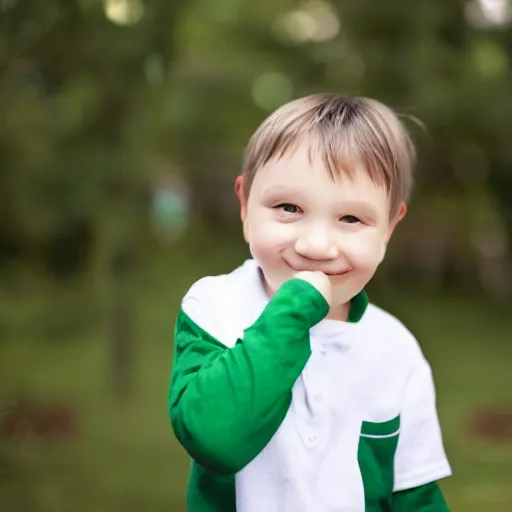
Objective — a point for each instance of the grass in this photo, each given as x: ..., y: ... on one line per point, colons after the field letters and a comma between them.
x: 125, y: 457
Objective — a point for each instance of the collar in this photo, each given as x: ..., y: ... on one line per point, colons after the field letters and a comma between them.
x: 358, y: 307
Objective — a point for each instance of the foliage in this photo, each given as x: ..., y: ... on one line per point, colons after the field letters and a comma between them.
x: 101, y: 96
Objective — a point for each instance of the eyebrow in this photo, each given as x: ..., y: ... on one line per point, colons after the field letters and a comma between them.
x: 361, y: 204
x: 276, y: 190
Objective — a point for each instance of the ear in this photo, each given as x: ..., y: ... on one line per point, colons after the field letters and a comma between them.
x: 240, y: 192
x: 402, y: 211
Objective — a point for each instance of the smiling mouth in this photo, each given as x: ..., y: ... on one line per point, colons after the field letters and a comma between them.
x: 337, y: 274
x: 330, y: 274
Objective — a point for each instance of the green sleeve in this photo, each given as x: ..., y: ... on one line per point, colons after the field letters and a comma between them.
x: 225, y: 404
x: 426, y: 498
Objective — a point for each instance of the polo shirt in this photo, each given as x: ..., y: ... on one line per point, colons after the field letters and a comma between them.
x: 284, y: 410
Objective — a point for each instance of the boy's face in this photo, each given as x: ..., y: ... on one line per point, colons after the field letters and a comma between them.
x: 297, y: 218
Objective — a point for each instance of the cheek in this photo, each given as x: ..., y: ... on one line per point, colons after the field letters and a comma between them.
x: 364, y: 252
x: 267, y: 243
x: 270, y: 237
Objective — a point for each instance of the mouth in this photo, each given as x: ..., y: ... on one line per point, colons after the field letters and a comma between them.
x: 337, y: 274
x: 330, y: 274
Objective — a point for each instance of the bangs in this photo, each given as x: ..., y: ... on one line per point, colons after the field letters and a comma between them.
x: 345, y: 153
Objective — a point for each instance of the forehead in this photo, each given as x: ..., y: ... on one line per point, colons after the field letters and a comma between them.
x: 302, y: 172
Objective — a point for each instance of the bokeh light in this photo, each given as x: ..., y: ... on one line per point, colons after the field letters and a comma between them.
x: 124, y: 12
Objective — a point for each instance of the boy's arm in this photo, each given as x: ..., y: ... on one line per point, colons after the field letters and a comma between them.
x: 420, y: 460
x: 225, y: 404
x: 426, y: 498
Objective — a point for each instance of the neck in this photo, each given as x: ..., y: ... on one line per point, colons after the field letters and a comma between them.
x: 339, y: 312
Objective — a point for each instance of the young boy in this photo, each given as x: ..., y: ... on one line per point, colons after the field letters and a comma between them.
x: 290, y: 391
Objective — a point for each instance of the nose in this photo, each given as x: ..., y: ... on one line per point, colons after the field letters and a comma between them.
x: 316, y: 244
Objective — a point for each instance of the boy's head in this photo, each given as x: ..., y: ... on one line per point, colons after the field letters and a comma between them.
x: 325, y: 181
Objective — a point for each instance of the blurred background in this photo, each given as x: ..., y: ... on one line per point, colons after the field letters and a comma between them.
x: 122, y: 128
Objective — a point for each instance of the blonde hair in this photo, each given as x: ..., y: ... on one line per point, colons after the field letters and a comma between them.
x: 347, y: 133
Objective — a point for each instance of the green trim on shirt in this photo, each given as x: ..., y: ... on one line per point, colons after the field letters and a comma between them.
x: 358, y: 307
x: 426, y: 498
x: 385, y: 428
x: 376, y: 457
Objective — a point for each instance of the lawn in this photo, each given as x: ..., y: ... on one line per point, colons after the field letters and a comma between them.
x: 124, y: 457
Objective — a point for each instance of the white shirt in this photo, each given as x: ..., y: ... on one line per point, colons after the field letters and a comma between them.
x: 359, y: 381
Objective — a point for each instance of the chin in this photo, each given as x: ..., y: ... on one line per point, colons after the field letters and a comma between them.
x: 271, y: 285
x: 345, y: 292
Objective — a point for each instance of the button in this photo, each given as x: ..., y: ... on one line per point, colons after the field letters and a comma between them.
x: 319, y: 397
x: 312, y: 441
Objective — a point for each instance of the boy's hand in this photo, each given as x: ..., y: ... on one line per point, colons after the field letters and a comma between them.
x: 320, y: 281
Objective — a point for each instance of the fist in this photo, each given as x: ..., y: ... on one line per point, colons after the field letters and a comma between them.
x: 320, y: 281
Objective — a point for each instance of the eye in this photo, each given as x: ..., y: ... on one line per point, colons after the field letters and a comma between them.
x: 288, y: 208
x: 350, y: 219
